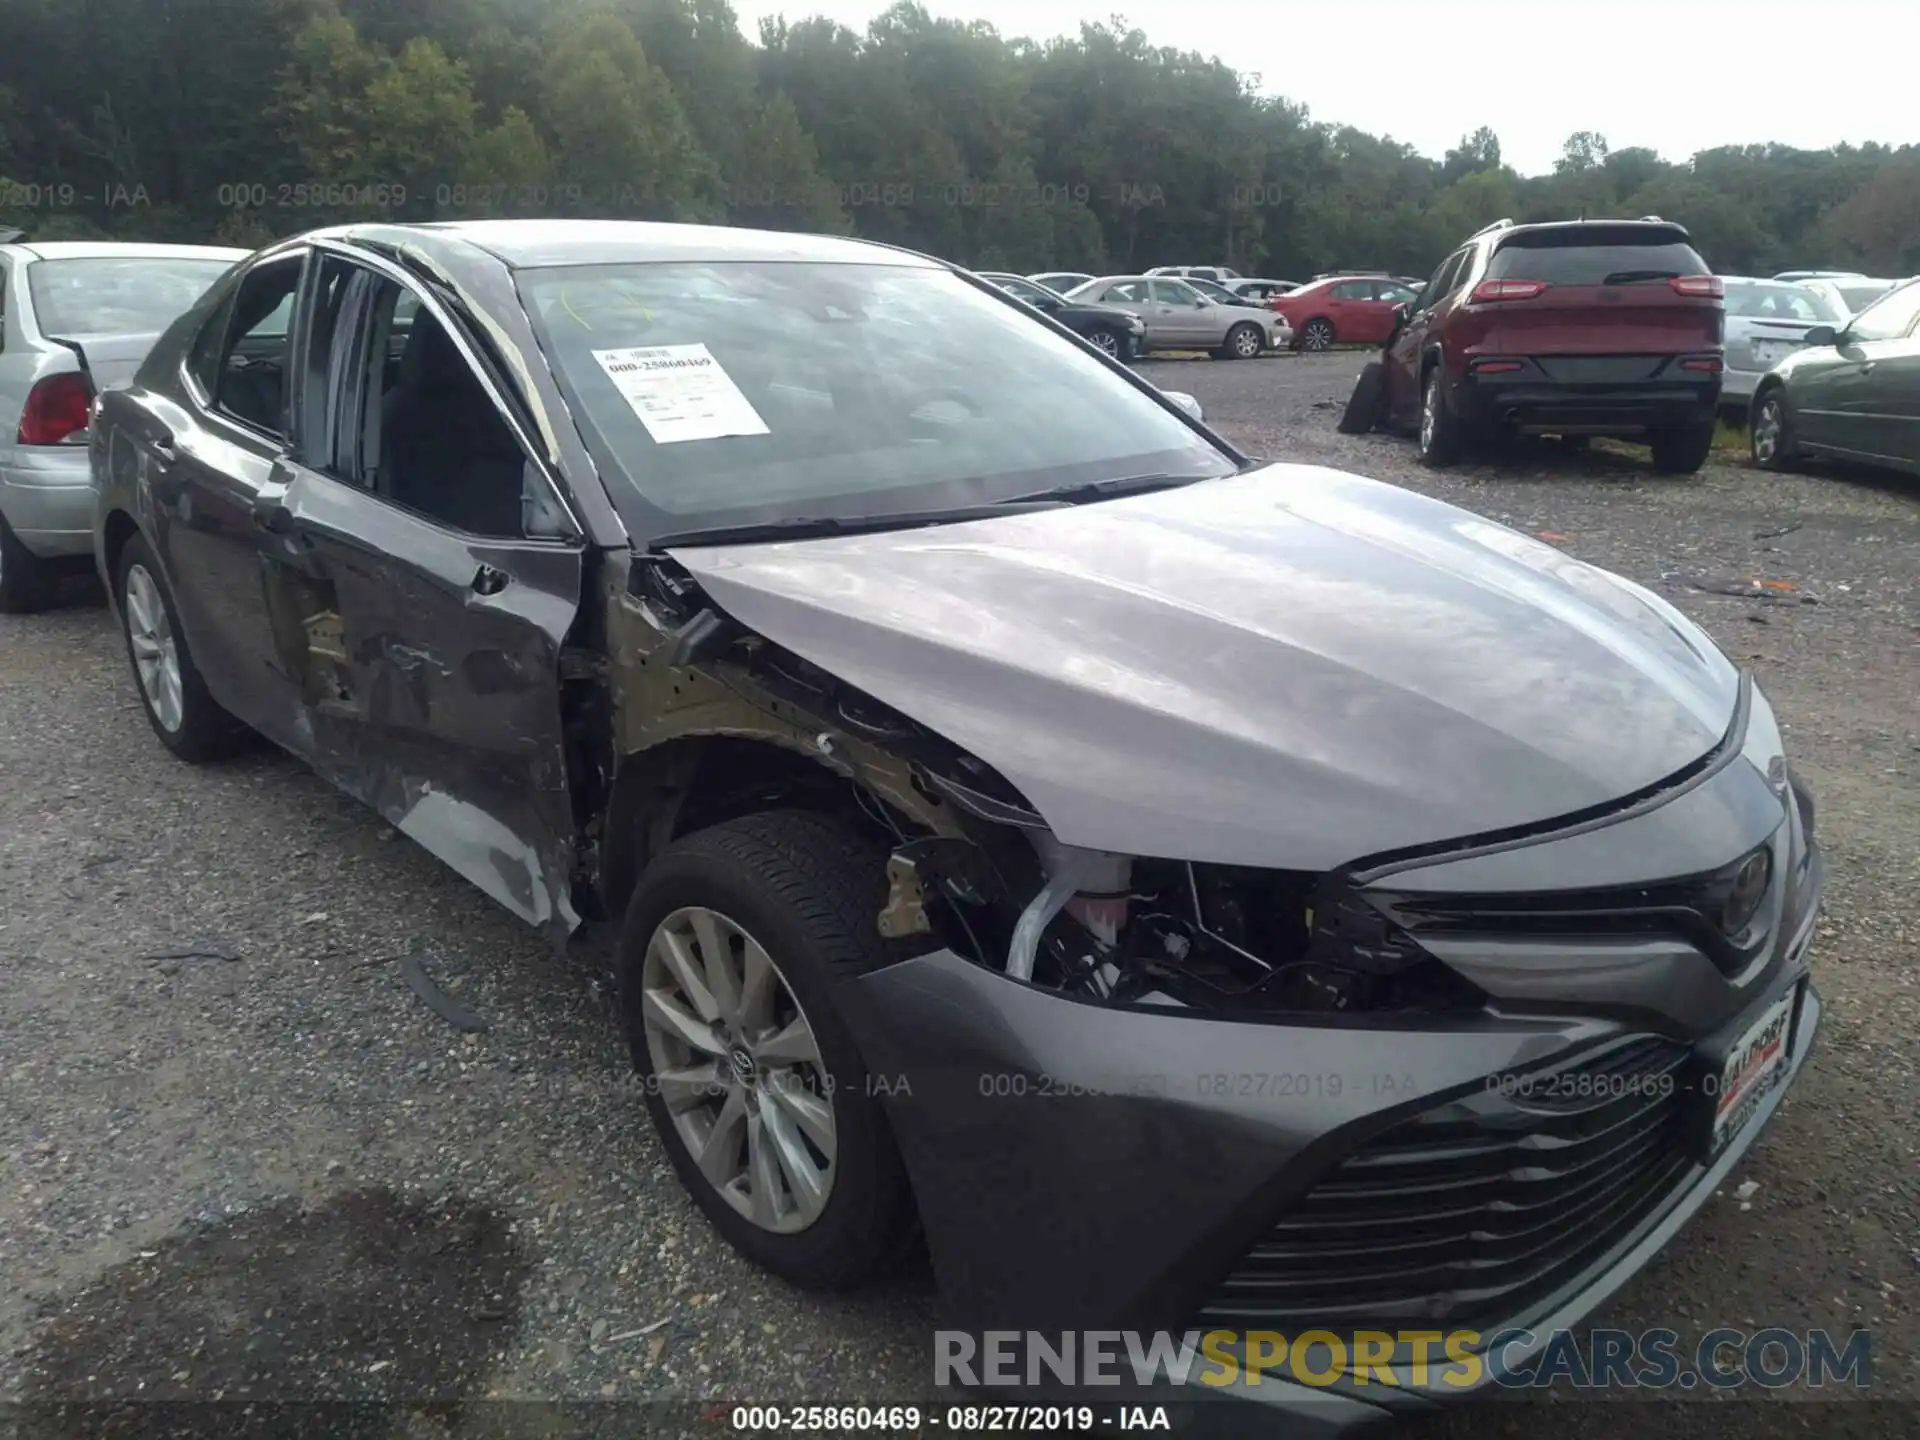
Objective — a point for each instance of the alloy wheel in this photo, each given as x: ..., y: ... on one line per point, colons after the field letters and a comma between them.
x: 1318, y: 335
x: 1247, y: 344
x: 1429, y: 415
x: 156, y: 655
x: 1104, y: 342
x: 738, y: 1069
x: 1766, y: 431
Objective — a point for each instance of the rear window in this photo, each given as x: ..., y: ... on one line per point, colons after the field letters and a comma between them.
x: 121, y: 295
x: 1595, y: 255
x: 1766, y: 300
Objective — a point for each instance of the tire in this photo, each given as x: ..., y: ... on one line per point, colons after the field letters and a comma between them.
x: 1439, y: 435
x: 1771, y: 441
x: 1316, y: 335
x: 1681, y: 452
x: 188, y: 720
x: 1109, y: 343
x: 1363, y: 405
x: 806, y: 890
x: 27, y: 582
x: 1244, y: 341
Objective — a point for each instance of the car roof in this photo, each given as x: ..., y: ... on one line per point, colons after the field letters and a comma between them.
x: 529, y: 244
x: 122, y: 250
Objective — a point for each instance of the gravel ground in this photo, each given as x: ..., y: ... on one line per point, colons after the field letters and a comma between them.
x: 240, y: 1159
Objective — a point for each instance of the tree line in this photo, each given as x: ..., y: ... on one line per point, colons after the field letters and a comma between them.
x: 244, y: 120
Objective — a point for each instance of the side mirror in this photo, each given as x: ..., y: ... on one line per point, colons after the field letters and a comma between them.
x: 1186, y: 402
x: 1401, y: 312
x: 1821, y: 335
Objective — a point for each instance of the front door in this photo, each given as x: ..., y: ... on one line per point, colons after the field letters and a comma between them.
x: 425, y: 581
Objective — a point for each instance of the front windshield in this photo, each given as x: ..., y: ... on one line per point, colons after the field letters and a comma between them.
x: 118, y: 295
x: 1773, y: 300
x: 738, y: 392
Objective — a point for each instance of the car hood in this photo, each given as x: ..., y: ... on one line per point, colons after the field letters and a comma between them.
x: 1293, y: 667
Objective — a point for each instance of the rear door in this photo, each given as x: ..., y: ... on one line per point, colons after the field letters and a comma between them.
x: 424, y: 619
x: 206, y: 464
x: 1636, y: 294
x: 1403, y: 357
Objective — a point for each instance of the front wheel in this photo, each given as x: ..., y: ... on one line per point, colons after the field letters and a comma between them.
x: 186, y: 717
x: 728, y: 960
x: 1363, y: 405
x: 1772, y: 441
x: 1108, y: 344
x: 1244, y: 342
x: 1682, y: 451
x: 1317, y: 335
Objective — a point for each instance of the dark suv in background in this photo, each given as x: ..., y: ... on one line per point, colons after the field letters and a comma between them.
x: 1574, y: 328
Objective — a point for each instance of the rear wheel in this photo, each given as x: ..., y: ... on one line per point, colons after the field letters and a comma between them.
x: 1682, y: 451
x: 26, y: 581
x: 1316, y: 334
x: 1244, y: 342
x: 1772, y: 440
x: 729, y: 957
x: 188, y: 720
x: 1439, y: 426
x: 1363, y: 405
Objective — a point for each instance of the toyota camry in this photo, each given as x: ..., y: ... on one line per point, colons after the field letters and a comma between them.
x: 1178, y: 888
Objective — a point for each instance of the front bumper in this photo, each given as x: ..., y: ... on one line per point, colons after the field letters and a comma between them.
x: 1535, y: 400
x: 46, y: 493
x: 1087, y: 1168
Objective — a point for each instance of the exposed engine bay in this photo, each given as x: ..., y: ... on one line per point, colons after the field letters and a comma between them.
x: 974, y: 868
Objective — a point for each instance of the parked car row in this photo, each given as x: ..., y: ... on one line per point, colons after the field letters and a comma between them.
x: 917, y: 694
x: 1178, y: 316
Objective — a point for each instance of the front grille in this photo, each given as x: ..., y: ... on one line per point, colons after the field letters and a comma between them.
x: 1472, y: 1211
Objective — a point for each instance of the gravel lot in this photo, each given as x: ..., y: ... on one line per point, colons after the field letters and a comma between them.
x: 265, y: 1169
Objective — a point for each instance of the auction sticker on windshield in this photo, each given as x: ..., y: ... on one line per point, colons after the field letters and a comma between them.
x: 1754, y: 1065
x: 680, y: 393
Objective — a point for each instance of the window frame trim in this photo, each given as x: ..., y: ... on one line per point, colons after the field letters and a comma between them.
x: 209, y: 404
x: 456, y: 330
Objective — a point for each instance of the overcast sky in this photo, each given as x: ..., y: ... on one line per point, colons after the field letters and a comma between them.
x: 1675, y: 77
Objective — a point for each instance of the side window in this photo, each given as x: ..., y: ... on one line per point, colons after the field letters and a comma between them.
x: 1131, y: 293
x: 1437, y: 284
x: 1172, y: 292
x: 1354, y: 290
x: 417, y: 426
x: 250, y: 381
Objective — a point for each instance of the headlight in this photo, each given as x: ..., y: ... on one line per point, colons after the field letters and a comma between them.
x: 1746, y: 895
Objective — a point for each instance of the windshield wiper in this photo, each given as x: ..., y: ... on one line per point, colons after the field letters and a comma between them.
x: 811, y: 527
x: 1083, y: 491
x: 1629, y: 277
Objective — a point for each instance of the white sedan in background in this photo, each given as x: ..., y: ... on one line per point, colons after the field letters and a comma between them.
x: 1767, y: 320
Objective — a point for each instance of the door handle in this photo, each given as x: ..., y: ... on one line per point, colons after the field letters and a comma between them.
x: 162, y: 449
x: 489, y: 581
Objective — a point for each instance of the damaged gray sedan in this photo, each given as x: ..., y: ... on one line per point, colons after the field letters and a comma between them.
x: 1191, y: 892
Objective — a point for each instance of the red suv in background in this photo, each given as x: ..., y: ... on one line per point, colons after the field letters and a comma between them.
x: 1343, y: 309
x: 1580, y: 327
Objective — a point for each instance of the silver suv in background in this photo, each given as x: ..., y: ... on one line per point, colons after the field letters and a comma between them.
x: 76, y: 317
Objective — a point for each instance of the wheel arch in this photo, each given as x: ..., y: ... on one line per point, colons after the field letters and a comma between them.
x: 696, y: 780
